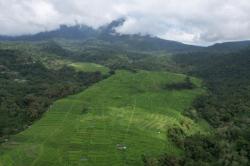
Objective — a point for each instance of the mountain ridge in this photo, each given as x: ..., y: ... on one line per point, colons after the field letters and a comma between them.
x: 139, y: 42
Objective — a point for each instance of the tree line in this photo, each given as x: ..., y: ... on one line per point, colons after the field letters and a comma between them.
x: 28, y: 88
x: 226, y: 107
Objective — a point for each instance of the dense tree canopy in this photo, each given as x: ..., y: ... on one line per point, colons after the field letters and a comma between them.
x: 226, y: 107
x: 27, y: 88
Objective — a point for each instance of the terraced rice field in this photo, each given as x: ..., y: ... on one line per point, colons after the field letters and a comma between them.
x: 114, y: 122
x: 89, y: 67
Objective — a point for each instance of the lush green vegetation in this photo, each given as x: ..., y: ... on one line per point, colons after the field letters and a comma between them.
x: 27, y: 88
x: 142, y: 114
x: 114, y: 122
x: 226, y: 108
x: 90, y: 67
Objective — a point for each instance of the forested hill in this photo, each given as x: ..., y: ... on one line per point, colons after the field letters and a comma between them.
x: 28, y: 87
x: 226, y: 108
x: 228, y: 47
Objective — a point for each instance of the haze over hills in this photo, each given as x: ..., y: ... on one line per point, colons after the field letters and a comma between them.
x: 107, y: 33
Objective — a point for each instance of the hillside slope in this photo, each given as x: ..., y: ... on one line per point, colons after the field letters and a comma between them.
x: 114, y: 122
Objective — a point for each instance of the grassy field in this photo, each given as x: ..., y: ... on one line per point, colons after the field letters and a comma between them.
x: 89, y: 67
x: 114, y: 122
x: 58, y: 63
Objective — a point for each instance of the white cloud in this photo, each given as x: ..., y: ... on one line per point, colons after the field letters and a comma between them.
x: 189, y: 21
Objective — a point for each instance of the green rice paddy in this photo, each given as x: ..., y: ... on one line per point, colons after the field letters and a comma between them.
x: 114, y: 122
x: 90, y: 67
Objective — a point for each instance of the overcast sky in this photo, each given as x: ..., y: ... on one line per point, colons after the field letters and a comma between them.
x: 190, y: 21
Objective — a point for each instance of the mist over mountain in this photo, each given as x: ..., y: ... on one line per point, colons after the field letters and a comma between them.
x: 108, y: 33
